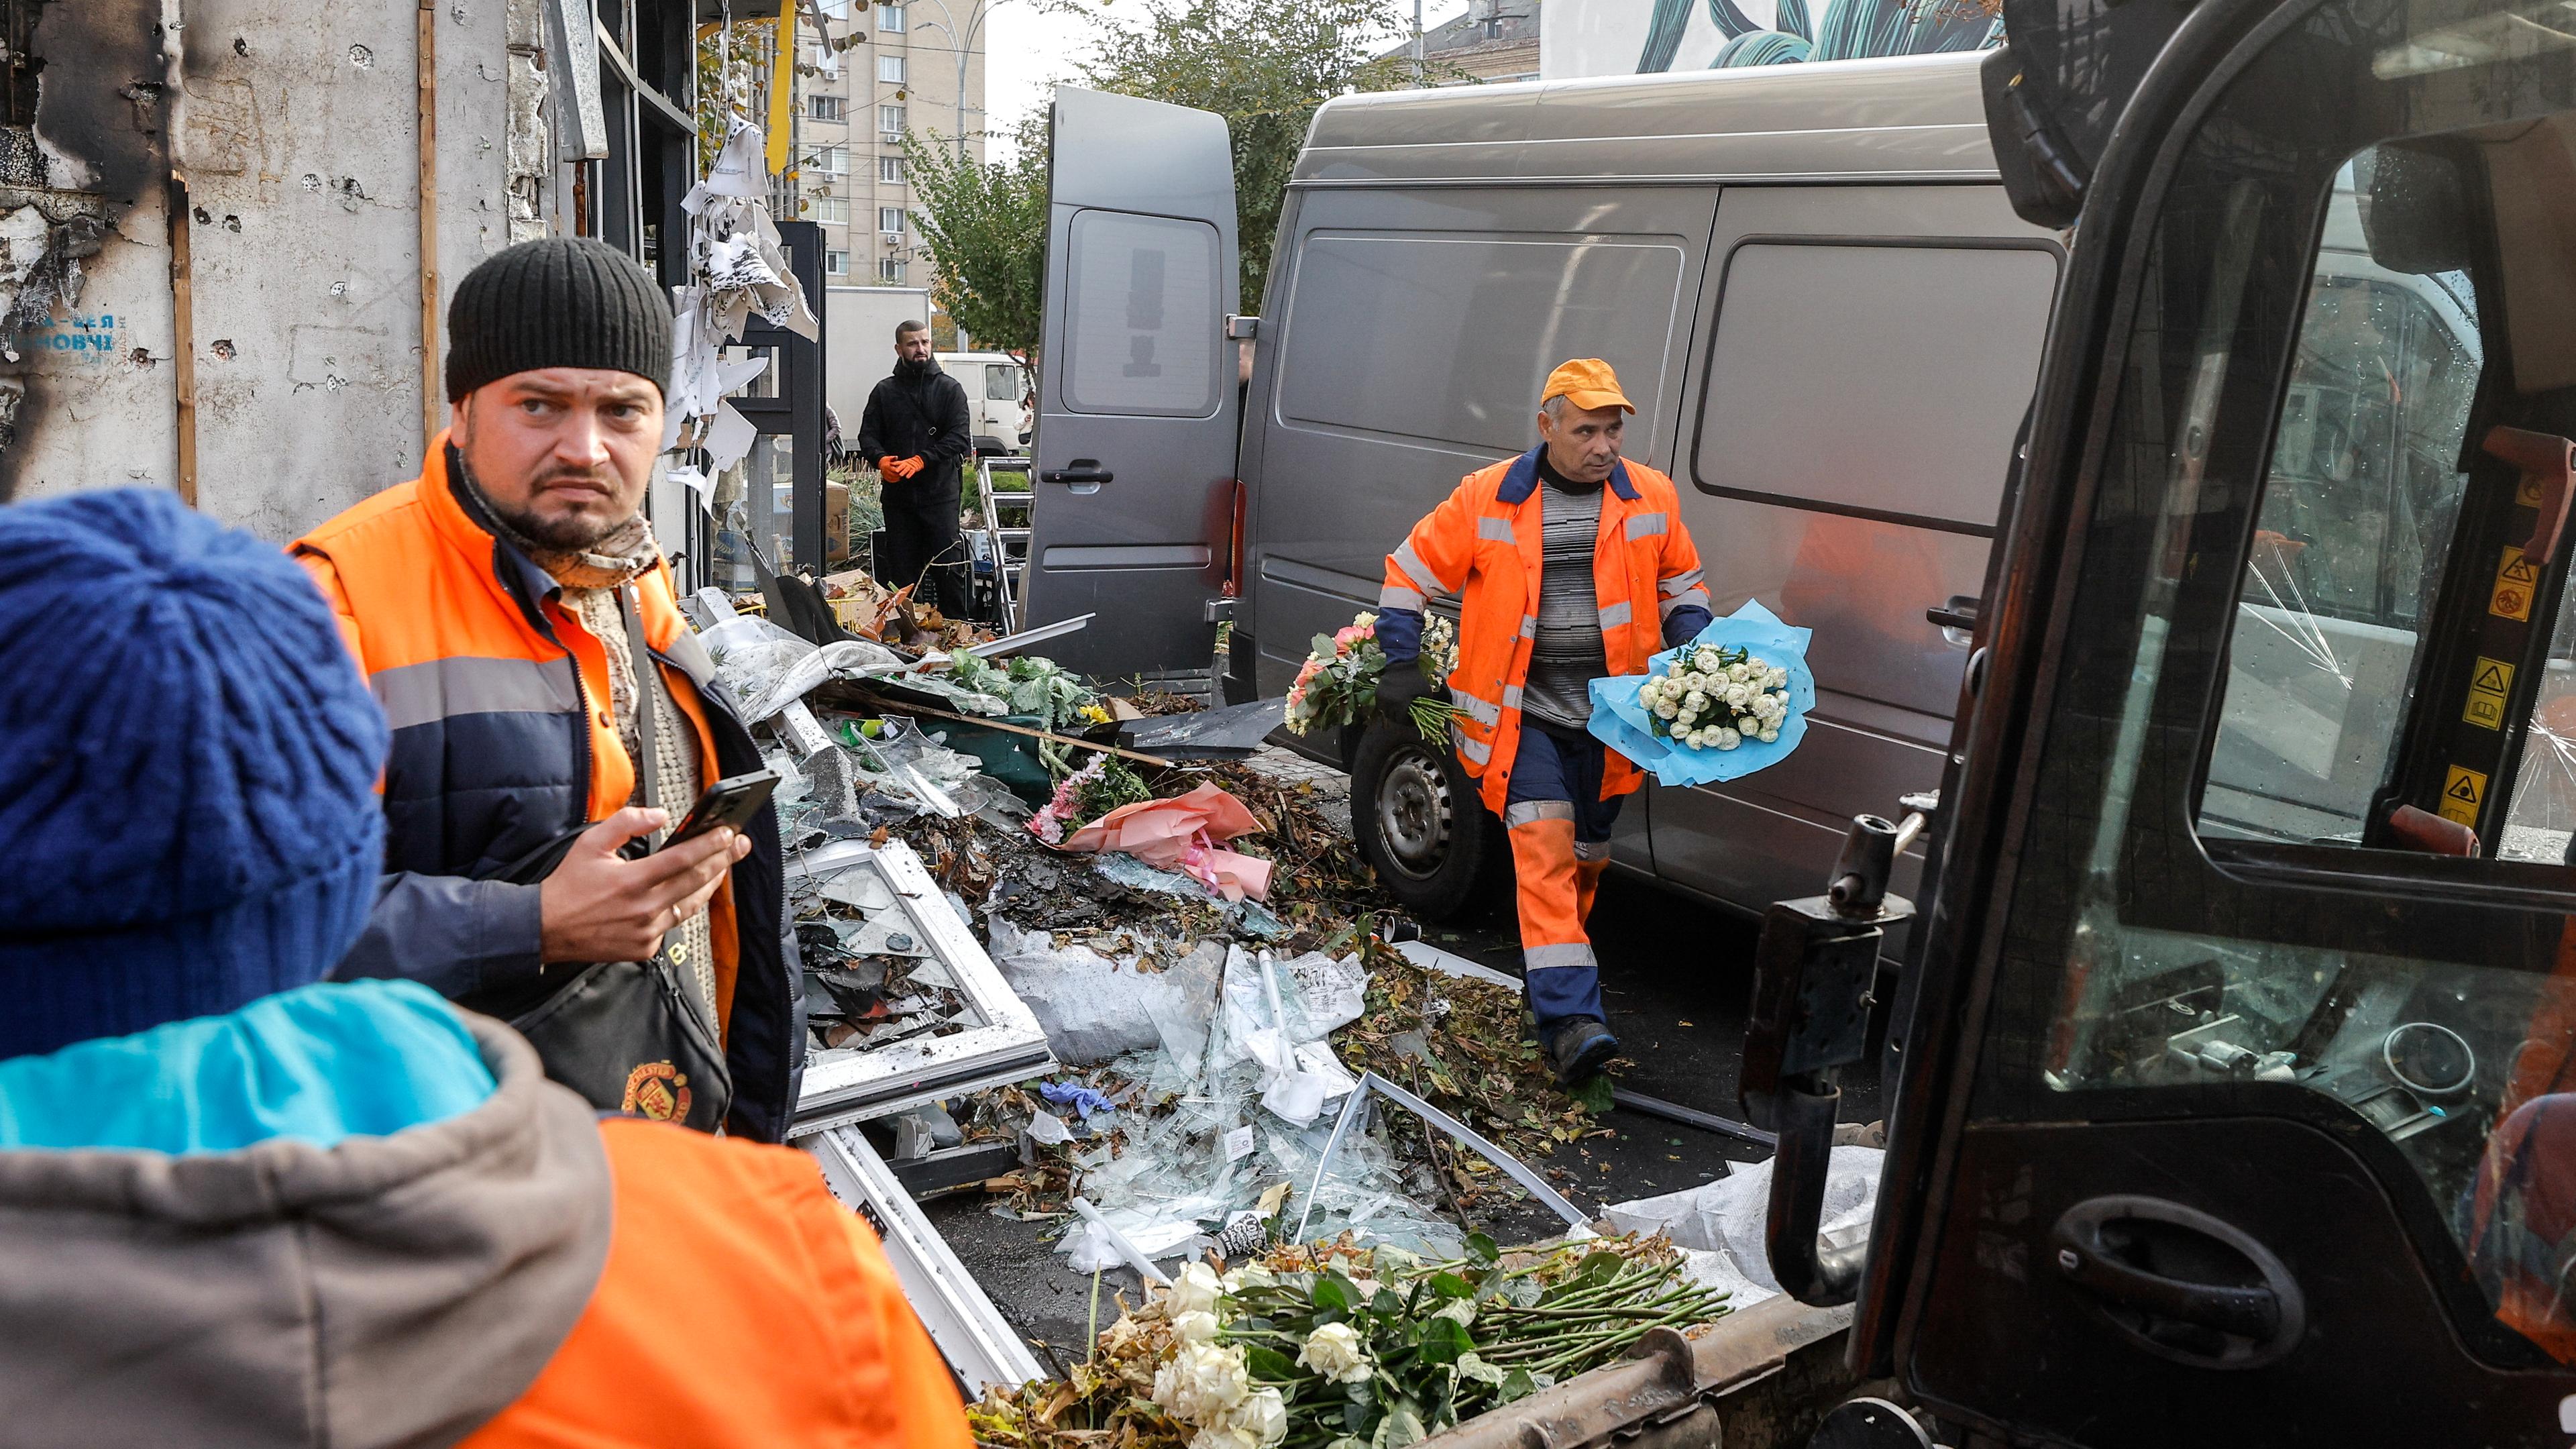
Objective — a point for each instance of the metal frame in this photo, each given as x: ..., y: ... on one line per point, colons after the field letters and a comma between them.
x: 1369, y: 1082
x: 847, y: 1085
x: 796, y: 411
x: 981, y: 1347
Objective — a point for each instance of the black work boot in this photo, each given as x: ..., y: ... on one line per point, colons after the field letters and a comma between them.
x: 1577, y: 1049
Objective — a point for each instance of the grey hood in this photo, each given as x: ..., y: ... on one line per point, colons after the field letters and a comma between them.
x: 386, y: 1291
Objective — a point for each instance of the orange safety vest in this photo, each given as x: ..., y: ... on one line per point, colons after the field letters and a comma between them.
x: 739, y: 1306
x: 1485, y: 542
x: 414, y: 581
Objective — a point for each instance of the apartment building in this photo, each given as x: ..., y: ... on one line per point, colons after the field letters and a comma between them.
x: 1495, y: 40
x: 918, y: 66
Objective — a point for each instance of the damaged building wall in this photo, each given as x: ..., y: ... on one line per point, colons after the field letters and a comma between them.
x: 302, y: 174
x: 85, y: 311
x: 298, y: 155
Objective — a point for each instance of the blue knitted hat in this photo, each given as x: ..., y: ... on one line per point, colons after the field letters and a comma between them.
x: 187, y: 771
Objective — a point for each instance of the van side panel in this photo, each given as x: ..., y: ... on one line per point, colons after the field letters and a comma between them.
x: 1410, y: 338
x: 1865, y: 356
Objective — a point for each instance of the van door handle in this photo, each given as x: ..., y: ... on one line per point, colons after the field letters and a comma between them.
x: 2111, y: 1250
x: 1083, y: 470
x: 1959, y: 613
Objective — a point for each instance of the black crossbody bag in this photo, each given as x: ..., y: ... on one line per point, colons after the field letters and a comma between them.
x: 629, y: 1036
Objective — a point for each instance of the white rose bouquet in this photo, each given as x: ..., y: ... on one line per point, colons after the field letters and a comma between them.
x: 1715, y: 698
x: 1728, y: 702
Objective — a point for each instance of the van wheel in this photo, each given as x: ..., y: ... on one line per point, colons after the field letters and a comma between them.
x: 1420, y: 825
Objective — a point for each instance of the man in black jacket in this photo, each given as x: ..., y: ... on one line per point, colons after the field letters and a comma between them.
x: 916, y: 434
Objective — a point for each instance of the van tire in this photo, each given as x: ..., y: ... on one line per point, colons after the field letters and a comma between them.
x: 1421, y: 825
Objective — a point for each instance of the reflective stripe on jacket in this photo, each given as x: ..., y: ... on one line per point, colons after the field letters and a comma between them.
x: 1484, y: 543
x: 502, y: 740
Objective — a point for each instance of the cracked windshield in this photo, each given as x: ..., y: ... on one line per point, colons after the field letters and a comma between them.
x: 2359, y: 507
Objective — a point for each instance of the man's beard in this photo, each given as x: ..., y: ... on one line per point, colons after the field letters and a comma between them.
x: 568, y: 532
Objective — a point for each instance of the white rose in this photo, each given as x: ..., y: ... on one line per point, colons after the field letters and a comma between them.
x: 1779, y: 678
x: 1706, y: 658
x: 1694, y: 700
x: 1196, y: 1290
x: 1261, y: 1420
x: 1201, y: 1382
x: 1335, y: 1351
x: 1666, y: 709
x: 1195, y: 1328
x: 1728, y: 739
x: 1768, y: 736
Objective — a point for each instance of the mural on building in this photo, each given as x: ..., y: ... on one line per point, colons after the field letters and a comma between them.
x: 1848, y: 30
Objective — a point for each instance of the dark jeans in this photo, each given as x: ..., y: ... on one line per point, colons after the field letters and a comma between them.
x: 921, y: 537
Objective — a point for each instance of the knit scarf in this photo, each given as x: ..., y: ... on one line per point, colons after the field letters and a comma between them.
x: 590, y: 580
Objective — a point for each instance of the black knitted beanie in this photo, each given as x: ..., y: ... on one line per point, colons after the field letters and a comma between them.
x: 556, y: 302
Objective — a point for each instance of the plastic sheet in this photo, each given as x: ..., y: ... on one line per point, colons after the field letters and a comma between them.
x: 752, y: 657
x: 1093, y: 1008
x: 1233, y: 1043
x: 1727, y: 1217
x: 1248, y: 917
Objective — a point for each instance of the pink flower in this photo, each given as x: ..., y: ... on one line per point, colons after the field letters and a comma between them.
x: 1350, y: 635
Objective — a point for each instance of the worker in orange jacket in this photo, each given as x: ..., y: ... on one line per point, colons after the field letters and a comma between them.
x: 1586, y: 576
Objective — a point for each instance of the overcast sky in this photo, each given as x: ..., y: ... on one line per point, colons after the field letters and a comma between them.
x: 1030, y: 50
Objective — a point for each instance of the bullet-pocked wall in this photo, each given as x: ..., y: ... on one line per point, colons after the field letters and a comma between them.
x: 266, y: 341
x: 298, y: 164
x: 85, y: 301
x: 301, y: 164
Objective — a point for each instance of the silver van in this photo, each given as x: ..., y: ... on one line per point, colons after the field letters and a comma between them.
x: 1807, y: 277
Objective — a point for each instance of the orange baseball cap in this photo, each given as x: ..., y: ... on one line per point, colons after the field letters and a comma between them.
x: 1588, y: 383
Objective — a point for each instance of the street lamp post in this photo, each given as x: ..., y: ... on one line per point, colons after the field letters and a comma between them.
x: 964, y: 44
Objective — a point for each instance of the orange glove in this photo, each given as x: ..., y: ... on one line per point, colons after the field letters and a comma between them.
x: 898, y: 468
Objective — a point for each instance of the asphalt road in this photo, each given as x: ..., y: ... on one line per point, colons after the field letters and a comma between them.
x: 1675, y: 977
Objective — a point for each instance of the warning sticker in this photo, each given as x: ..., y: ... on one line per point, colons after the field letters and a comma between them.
x: 2515, y: 581
x: 2490, y: 680
x: 2528, y: 495
x: 2462, y: 791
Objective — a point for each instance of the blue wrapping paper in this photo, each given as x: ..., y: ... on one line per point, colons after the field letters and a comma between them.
x: 1620, y: 722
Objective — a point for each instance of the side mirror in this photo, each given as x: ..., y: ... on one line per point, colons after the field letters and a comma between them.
x: 1812, y: 979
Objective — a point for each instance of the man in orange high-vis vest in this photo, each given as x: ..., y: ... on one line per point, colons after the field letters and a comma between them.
x: 494, y: 604
x: 1571, y: 563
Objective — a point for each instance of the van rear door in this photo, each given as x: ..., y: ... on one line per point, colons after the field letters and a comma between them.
x: 1137, y: 391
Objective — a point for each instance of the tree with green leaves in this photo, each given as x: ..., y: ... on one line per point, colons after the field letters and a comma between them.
x: 1264, y: 65
x: 983, y: 225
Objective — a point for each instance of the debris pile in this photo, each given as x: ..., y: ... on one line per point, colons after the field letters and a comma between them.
x: 1150, y: 990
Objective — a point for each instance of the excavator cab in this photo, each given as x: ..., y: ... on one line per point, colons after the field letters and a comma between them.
x: 2236, y: 1095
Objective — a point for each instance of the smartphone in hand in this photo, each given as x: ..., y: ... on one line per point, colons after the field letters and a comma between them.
x: 731, y: 802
